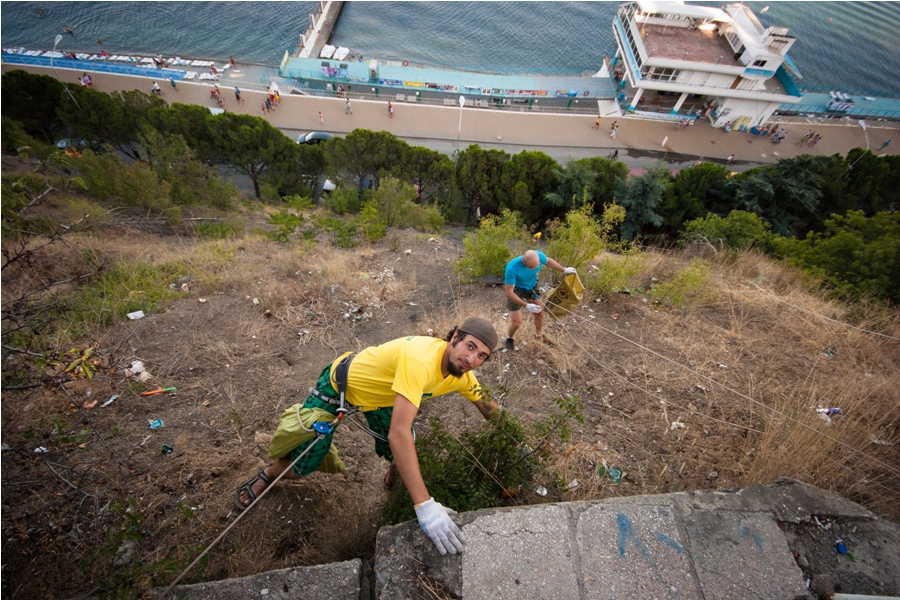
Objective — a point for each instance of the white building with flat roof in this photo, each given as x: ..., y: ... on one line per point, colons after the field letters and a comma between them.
x: 723, y: 55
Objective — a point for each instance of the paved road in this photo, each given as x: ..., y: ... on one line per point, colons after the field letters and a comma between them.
x: 640, y: 142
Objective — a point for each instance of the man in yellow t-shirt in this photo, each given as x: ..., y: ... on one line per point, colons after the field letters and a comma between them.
x: 387, y: 383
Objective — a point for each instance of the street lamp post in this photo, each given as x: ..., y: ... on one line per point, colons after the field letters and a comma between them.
x: 56, y: 41
x: 862, y: 124
x: 462, y: 102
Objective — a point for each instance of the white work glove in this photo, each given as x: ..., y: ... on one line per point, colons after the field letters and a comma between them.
x: 435, y: 521
x: 569, y: 271
x: 535, y: 308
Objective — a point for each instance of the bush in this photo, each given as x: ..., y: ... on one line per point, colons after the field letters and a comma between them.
x: 488, y: 250
x: 343, y: 200
x: 616, y: 272
x: 105, y: 177
x: 469, y: 471
x: 371, y: 226
x: 687, y: 287
x: 740, y: 230
x: 577, y: 241
x: 343, y: 234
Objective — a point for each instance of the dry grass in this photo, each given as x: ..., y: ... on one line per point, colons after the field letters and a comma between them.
x: 719, y: 396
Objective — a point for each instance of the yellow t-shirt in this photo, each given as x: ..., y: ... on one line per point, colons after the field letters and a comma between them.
x: 409, y: 366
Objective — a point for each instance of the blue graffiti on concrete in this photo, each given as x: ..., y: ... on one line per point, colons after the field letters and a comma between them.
x: 669, y: 542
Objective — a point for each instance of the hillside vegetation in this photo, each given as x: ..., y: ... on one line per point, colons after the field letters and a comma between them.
x: 705, y: 365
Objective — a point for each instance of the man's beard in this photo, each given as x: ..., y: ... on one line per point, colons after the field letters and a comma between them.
x: 454, y: 370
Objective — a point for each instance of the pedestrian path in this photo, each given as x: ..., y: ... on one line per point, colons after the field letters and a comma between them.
x: 517, y: 127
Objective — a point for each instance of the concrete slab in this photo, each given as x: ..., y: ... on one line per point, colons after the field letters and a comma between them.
x: 630, y: 551
x: 743, y: 555
x: 523, y: 554
x: 335, y: 581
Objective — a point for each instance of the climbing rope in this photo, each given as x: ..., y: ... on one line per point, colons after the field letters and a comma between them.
x: 322, y: 430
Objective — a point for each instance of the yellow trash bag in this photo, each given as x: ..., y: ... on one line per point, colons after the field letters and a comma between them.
x: 565, y: 297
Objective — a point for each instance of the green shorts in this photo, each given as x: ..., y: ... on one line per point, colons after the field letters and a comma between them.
x: 291, y: 439
x: 524, y: 294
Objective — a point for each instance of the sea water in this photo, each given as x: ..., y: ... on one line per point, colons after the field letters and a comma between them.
x: 840, y: 44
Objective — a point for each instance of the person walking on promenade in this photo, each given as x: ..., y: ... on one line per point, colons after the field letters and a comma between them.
x: 520, y: 283
x: 237, y: 95
x: 596, y: 124
x: 729, y: 160
x: 387, y: 383
x: 805, y: 138
x: 155, y: 89
x: 390, y: 109
x: 88, y: 81
x: 349, y: 109
x: 233, y: 64
x: 321, y: 118
x: 172, y: 81
x: 815, y: 140
x: 265, y: 111
x: 614, y: 129
x: 885, y: 145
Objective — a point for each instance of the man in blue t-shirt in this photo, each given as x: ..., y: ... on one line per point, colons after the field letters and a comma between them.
x: 520, y: 281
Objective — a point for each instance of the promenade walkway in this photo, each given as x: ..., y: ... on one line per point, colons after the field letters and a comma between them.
x: 512, y: 125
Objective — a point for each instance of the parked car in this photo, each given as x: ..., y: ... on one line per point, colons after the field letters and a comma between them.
x: 314, y: 137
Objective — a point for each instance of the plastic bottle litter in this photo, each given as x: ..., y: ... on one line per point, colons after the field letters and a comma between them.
x: 541, y: 491
x: 110, y: 401
x: 134, y: 316
x: 840, y: 547
x: 611, y: 472
x: 572, y: 484
x: 828, y: 411
x: 156, y: 423
x: 166, y: 449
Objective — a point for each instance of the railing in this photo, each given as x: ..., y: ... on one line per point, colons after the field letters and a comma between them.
x: 817, y: 110
x: 485, y: 70
x: 319, y: 77
x: 389, y: 95
x: 93, y: 66
x: 821, y: 89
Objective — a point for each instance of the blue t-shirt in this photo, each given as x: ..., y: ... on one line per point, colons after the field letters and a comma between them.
x: 520, y: 276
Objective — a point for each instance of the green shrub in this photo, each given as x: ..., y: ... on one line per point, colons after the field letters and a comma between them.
x: 581, y: 237
x: 75, y: 208
x: 343, y: 234
x: 687, y: 287
x: 371, y: 226
x: 468, y: 471
x: 740, y: 230
x: 173, y: 216
x: 488, y: 250
x: 136, y: 185
x: 616, y: 272
x: 343, y: 200
x: 285, y: 224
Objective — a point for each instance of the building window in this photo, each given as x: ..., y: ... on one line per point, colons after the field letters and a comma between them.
x: 759, y: 63
x: 660, y: 74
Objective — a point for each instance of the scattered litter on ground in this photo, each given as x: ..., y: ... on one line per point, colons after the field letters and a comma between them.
x: 541, y: 490
x: 156, y: 423
x: 40, y: 450
x: 108, y: 402
x: 134, y: 316
x: 166, y: 449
